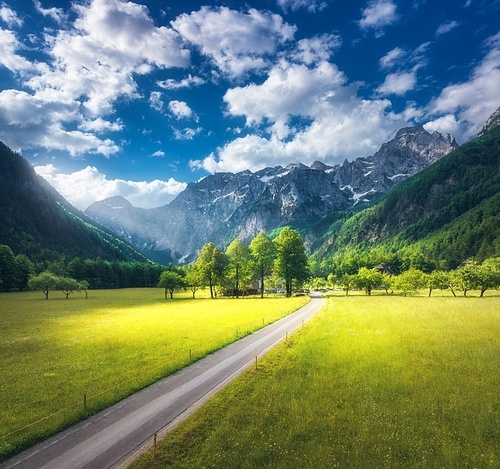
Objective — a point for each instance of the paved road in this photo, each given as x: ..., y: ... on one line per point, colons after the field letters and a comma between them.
x: 114, y: 436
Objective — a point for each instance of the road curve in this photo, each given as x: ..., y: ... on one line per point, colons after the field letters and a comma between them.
x: 111, y: 438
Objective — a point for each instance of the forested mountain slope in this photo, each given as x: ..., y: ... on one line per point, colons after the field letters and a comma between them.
x: 448, y: 212
x: 37, y: 221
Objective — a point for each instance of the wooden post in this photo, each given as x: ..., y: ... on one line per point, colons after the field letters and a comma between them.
x: 154, y: 445
x: 85, y: 402
x: 255, y: 362
x: 286, y: 337
x: 190, y: 355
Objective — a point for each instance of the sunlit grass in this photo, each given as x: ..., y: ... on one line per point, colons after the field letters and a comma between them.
x: 116, y: 341
x: 372, y: 382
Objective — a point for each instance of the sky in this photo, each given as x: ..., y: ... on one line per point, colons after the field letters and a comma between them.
x: 114, y: 97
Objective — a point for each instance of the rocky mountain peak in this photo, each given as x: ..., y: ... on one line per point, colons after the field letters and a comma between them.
x: 493, y: 121
x: 222, y: 206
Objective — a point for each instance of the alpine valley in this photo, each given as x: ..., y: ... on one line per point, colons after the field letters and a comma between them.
x: 420, y: 193
x: 223, y: 206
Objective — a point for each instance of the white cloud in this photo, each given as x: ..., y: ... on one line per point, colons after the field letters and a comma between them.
x: 310, y: 113
x: 57, y: 14
x: 180, y: 109
x: 290, y: 90
x: 91, y: 66
x: 397, y: 83
x: 9, y: 16
x: 155, y: 101
x: 446, y: 27
x: 236, y: 42
x: 84, y: 187
x: 159, y: 153
x: 377, y: 15
x: 294, y: 5
x: 100, y: 125
x: 186, y: 134
x: 392, y: 57
x: 317, y: 48
x: 472, y: 102
x: 187, y: 82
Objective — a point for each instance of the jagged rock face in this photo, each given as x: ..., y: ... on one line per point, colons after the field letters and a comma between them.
x: 226, y: 205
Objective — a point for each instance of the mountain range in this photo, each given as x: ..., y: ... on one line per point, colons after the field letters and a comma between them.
x: 418, y: 193
x: 223, y: 206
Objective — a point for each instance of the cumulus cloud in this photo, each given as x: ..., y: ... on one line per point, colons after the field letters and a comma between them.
x: 397, y: 83
x: 84, y: 187
x: 377, y: 15
x: 155, y: 101
x: 91, y: 65
x: 180, y: 109
x: 236, y: 42
x: 472, y: 102
x: 308, y: 114
x: 57, y: 14
x: 316, y: 49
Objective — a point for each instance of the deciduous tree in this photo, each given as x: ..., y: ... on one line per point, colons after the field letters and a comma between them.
x: 291, y: 258
x: 263, y: 251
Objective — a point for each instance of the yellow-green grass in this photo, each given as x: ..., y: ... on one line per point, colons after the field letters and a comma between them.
x: 371, y: 382
x: 106, y: 347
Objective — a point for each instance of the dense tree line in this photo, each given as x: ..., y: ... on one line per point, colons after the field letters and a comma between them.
x: 15, y: 271
x: 470, y: 275
x: 280, y: 263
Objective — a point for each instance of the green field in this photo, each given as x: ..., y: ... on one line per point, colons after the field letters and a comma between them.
x: 371, y: 382
x: 106, y: 347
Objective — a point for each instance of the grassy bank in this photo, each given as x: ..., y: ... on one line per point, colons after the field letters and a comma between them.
x: 117, y: 341
x: 372, y: 382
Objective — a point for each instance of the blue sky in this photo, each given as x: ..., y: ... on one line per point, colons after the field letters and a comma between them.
x: 109, y: 97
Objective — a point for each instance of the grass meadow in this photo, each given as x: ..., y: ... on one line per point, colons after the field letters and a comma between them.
x: 54, y: 351
x: 371, y: 382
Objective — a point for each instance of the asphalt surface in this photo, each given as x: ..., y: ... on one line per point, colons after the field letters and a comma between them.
x: 116, y: 435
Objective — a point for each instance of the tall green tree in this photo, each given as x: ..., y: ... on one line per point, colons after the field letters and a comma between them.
x: 291, y: 259
x: 263, y: 252
x: 368, y: 279
x: 489, y: 274
x: 239, y: 271
x: 8, y: 270
x: 170, y: 281
x: 193, y: 279
x: 211, y: 264
x: 409, y: 281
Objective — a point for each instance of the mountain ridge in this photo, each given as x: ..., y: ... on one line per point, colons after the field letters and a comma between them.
x: 226, y: 205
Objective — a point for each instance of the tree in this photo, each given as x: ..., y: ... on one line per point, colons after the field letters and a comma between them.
x: 291, y: 259
x: 409, y: 281
x: 467, y: 277
x: 211, y: 265
x: 68, y: 285
x: 347, y: 282
x: 368, y: 279
x: 489, y: 274
x: 25, y: 269
x: 8, y: 271
x: 438, y: 279
x: 45, y: 282
x: 170, y: 281
x: 239, y: 266
x: 193, y: 278
x: 263, y: 251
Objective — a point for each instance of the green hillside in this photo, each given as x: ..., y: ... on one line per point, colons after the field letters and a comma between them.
x: 35, y: 220
x: 447, y: 213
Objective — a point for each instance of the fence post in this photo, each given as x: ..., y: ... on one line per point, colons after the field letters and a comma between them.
x: 255, y: 362
x: 154, y: 445
x: 85, y: 402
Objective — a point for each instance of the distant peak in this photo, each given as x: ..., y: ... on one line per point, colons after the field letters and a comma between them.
x: 116, y: 202
x: 415, y: 130
x: 319, y: 166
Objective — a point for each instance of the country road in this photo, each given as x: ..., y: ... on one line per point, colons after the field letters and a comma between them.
x: 114, y: 436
